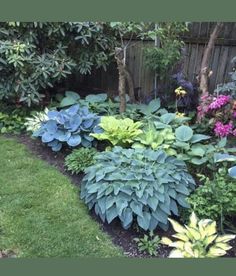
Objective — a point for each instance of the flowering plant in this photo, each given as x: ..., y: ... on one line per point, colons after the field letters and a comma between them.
x: 219, y: 113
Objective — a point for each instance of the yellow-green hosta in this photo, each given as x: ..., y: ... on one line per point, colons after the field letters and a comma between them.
x: 198, y: 239
x: 118, y: 131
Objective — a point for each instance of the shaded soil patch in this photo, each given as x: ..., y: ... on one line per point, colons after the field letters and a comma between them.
x: 120, y: 237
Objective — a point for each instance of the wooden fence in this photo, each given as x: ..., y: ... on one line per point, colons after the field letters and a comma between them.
x: 195, y: 41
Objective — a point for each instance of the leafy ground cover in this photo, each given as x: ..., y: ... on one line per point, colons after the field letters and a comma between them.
x: 41, y: 214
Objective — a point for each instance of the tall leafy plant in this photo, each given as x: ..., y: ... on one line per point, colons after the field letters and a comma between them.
x: 35, y: 56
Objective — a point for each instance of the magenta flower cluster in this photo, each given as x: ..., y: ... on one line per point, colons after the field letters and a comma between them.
x: 219, y: 102
x: 222, y: 130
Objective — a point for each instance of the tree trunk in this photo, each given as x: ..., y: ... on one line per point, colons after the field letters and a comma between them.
x: 130, y: 84
x: 122, y: 90
x: 120, y: 67
x: 124, y: 75
x: 205, y: 71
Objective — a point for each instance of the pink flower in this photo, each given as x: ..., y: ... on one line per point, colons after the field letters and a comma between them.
x: 219, y: 102
x: 222, y: 130
x: 234, y: 114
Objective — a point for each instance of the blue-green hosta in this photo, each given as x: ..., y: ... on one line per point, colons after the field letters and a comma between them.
x: 140, y: 185
x: 71, y: 126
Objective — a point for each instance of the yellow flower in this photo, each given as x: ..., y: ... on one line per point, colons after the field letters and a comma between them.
x: 180, y: 115
x: 180, y: 91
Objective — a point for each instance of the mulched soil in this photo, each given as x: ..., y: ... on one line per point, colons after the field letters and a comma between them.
x: 7, y: 254
x: 120, y: 237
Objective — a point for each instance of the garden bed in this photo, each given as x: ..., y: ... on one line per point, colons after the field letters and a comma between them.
x: 120, y: 237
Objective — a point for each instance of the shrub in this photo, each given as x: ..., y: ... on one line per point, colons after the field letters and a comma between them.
x: 80, y: 159
x: 198, y: 239
x: 216, y: 198
x: 36, y: 56
x: 120, y: 132
x: 72, y: 126
x: 136, y: 183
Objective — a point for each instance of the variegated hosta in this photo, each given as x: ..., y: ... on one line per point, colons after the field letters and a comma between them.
x: 33, y: 123
x: 199, y: 239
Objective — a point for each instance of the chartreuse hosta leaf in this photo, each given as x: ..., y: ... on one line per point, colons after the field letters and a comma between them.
x: 156, y: 139
x: 199, y: 239
x: 140, y: 185
x: 119, y: 132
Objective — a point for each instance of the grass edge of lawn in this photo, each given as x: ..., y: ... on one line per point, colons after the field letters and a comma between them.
x: 41, y: 213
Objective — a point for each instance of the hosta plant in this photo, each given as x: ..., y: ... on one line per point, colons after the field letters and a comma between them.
x: 71, y: 126
x: 33, y: 123
x: 198, y: 239
x: 149, y: 243
x: 156, y: 139
x: 80, y: 159
x: 140, y: 185
x: 120, y: 132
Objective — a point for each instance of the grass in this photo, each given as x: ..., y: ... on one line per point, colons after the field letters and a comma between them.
x: 41, y: 214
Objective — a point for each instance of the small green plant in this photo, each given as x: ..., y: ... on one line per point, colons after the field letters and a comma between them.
x: 216, y: 198
x: 34, y: 122
x: 198, y: 239
x: 149, y: 243
x: 80, y: 159
x: 11, y: 123
x: 120, y: 132
x: 136, y: 185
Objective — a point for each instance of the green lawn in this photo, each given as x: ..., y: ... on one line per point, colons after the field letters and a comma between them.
x: 41, y: 214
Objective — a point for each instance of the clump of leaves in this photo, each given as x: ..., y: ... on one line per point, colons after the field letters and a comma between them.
x: 80, y: 159
x: 11, y: 123
x: 216, y: 198
x: 161, y: 139
x: 34, y: 122
x: 140, y: 185
x: 36, y: 55
x: 149, y: 243
x: 120, y: 132
x: 198, y: 239
x: 162, y: 59
x: 72, y: 126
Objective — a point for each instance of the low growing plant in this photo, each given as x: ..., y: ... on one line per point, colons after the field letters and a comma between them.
x: 149, y: 243
x: 198, y: 239
x: 162, y: 139
x: 34, y: 122
x: 11, y: 123
x: 71, y: 126
x: 136, y: 184
x: 80, y: 159
x: 216, y: 198
x: 120, y: 132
